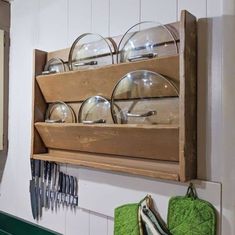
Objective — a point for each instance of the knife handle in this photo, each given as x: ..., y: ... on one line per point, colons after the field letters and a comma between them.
x: 67, y: 197
x: 60, y: 181
x: 71, y: 185
x: 37, y: 168
x: 32, y: 162
x: 46, y: 164
x: 71, y: 191
x: 51, y: 165
x: 64, y: 184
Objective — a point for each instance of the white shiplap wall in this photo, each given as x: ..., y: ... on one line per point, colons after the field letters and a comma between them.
x: 52, y: 25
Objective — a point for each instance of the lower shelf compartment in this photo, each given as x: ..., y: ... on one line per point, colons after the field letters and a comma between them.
x: 136, y: 166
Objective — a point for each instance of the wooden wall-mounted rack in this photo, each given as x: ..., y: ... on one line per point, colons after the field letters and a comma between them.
x: 161, y: 151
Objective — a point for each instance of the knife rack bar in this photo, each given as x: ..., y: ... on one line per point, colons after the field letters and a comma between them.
x: 166, y: 151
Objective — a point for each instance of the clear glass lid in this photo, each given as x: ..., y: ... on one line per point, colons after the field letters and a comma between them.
x: 95, y: 109
x: 60, y: 112
x: 89, y: 51
x: 54, y: 65
x: 145, y: 97
x: 146, y: 40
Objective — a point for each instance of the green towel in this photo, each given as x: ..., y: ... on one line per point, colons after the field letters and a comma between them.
x: 126, y: 220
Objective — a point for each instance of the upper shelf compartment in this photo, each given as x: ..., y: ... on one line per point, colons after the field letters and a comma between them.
x: 76, y: 86
x: 160, y: 151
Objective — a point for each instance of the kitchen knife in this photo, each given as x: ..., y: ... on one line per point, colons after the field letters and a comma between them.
x: 41, y: 187
x: 60, y: 182
x: 67, y: 190
x: 50, y: 169
x: 37, y: 187
x: 63, y: 189
x: 53, y: 191
x: 46, y: 164
x: 71, y: 191
x: 75, y: 200
x: 57, y: 186
x: 32, y: 189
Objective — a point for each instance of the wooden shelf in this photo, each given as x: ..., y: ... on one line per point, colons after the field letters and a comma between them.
x: 76, y: 86
x: 144, y: 141
x: 149, y: 168
x: 158, y: 151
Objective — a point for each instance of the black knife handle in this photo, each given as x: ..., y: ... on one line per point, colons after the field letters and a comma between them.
x: 60, y: 182
x: 51, y: 165
x: 67, y: 184
x: 37, y: 168
x: 46, y: 164
x: 32, y: 167
x: 64, y: 184
x: 71, y: 185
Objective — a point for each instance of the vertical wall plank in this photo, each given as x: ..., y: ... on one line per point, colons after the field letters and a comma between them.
x: 162, y: 11
x: 79, y: 18
x: 110, y: 226
x: 195, y: 7
x: 214, y: 8
x: 77, y: 222
x: 100, y: 17
x: 98, y: 224
x: 53, y: 25
x: 123, y: 15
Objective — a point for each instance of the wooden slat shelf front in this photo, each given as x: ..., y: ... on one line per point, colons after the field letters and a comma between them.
x: 65, y: 86
x: 149, y: 168
x: 158, y: 142
x: 160, y: 151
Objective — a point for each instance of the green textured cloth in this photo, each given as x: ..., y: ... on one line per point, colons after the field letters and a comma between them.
x: 126, y: 221
x: 189, y: 215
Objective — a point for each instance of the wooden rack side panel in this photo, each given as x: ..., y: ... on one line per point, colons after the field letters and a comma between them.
x: 188, y: 97
x: 39, y: 104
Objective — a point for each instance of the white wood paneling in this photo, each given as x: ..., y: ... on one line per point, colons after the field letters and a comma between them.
x: 110, y: 226
x: 214, y: 8
x: 123, y: 15
x: 77, y: 222
x: 120, y: 189
x: 98, y: 223
x: 196, y: 7
x: 79, y: 18
x: 53, y: 24
x: 162, y: 11
x: 100, y: 17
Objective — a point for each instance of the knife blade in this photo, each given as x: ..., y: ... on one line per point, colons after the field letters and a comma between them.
x: 40, y: 204
x: 37, y: 186
x: 59, y: 189
x: 53, y: 191
x: 63, y: 189
x: 46, y: 164
x: 71, y: 192
x: 32, y: 190
x: 50, y: 169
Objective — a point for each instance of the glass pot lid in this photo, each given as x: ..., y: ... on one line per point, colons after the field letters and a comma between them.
x: 95, y: 109
x: 54, y: 65
x: 145, y: 97
x: 146, y: 40
x: 60, y: 112
x: 90, y: 50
